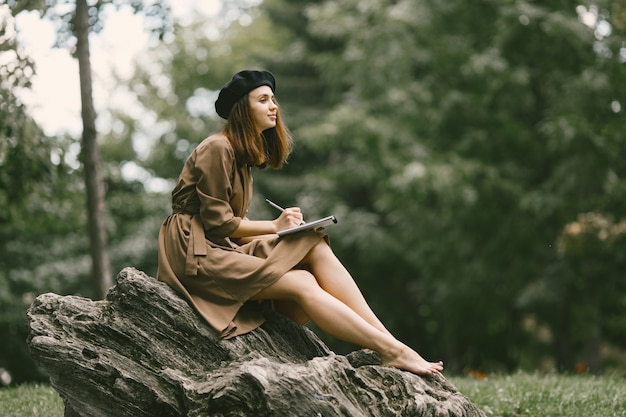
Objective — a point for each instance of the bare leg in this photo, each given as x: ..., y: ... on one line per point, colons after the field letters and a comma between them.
x: 335, y: 279
x: 291, y: 310
x: 340, y: 321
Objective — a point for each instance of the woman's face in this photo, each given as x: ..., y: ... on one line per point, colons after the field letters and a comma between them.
x: 263, y: 107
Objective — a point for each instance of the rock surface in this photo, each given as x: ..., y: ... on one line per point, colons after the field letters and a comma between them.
x: 143, y: 351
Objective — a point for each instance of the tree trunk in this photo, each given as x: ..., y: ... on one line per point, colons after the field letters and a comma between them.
x: 144, y: 352
x: 101, y: 269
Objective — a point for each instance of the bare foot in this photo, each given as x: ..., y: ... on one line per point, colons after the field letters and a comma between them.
x: 407, y: 359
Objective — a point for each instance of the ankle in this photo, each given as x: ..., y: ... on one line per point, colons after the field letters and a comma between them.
x: 392, y: 352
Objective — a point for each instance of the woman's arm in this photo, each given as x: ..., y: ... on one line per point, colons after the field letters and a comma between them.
x: 213, y: 165
x: 291, y: 217
x: 254, y: 228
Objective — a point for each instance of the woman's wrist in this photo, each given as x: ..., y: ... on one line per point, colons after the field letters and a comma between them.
x: 255, y: 228
x: 274, y: 226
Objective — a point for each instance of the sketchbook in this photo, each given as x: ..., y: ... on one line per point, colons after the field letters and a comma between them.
x: 315, y: 224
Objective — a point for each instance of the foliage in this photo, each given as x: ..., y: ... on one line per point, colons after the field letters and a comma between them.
x: 44, y: 250
x: 75, y: 20
x: 43, y: 215
x: 450, y: 138
x: 23, y: 159
x: 62, y: 13
x: 464, y: 137
x: 27, y: 178
x: 585, y: 286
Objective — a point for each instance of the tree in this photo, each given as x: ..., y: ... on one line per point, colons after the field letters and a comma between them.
x: 75, y: 26
x: 101, y: 269
x: 42, y: 248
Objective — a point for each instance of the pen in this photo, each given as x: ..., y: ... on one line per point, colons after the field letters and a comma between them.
x: 276, y: 206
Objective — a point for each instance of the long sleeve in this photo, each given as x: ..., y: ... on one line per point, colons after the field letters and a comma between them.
x: 214, y: 168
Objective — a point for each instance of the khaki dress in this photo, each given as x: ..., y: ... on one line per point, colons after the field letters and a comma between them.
x: 198, y: 259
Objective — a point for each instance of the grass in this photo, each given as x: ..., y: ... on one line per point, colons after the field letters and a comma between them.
x: 551, y: 395
x: 30, y: 400
x: 517, y: 395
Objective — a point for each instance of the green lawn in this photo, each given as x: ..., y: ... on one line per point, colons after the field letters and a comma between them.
x: 540, y: 395
x: 30, y: 401
x: 518, y: 395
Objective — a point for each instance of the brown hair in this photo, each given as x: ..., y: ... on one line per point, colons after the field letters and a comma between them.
x: 268, y: 148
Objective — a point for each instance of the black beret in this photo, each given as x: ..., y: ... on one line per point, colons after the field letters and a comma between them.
x: 242, y: 83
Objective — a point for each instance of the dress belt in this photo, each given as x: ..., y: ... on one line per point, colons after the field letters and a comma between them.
x: 196, y: 246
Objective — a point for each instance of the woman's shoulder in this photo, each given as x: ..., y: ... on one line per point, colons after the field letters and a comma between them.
x: 216, y: 143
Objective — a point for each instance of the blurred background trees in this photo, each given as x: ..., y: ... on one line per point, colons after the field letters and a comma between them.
x: 473, y: 152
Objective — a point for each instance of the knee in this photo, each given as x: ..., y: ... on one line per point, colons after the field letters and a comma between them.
x: 304, y: 279
x: 321, y: 251
x: 304, y: 285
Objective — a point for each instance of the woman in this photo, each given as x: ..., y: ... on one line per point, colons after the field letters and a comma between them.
x: 226, y: 264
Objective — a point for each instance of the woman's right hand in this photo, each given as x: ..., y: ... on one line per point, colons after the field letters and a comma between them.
x: 290, y: 217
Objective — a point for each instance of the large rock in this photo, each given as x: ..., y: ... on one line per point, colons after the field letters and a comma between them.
x: 145, y: 352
